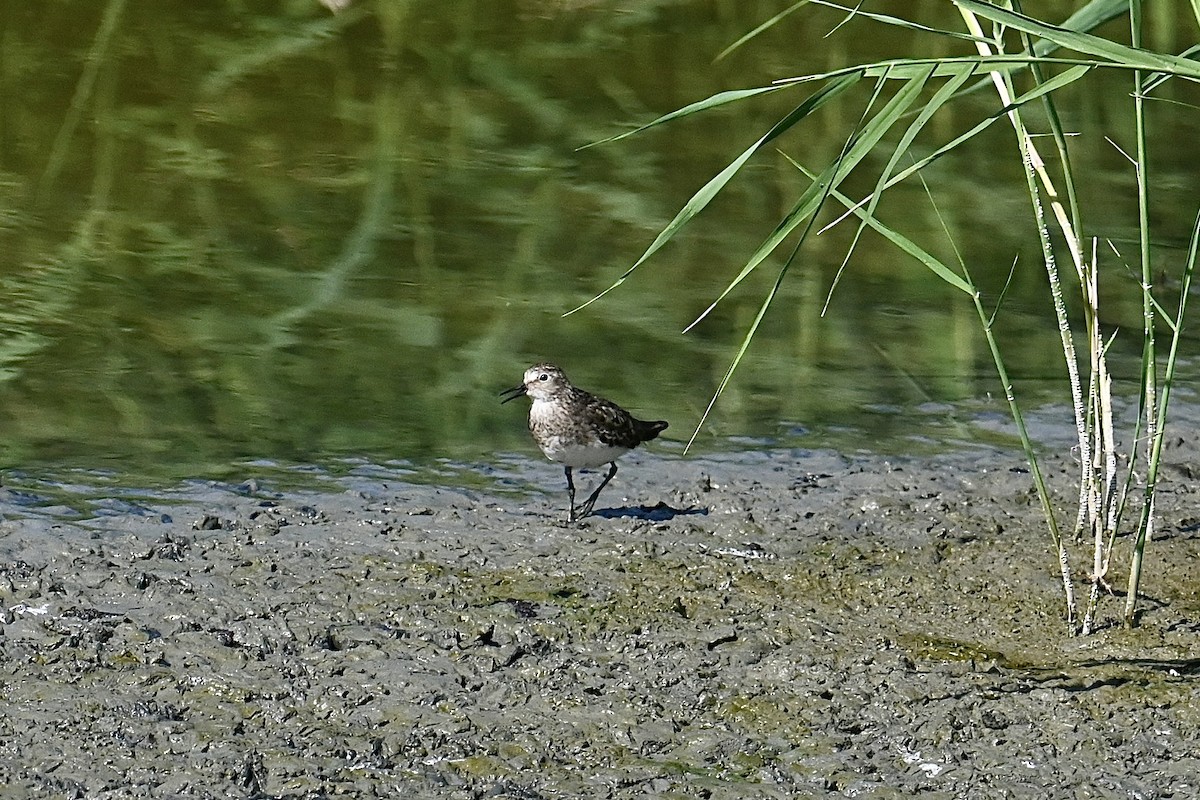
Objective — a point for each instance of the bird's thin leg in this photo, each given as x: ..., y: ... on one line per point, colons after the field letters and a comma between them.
x: 571, y: 494
x: 591, y: 501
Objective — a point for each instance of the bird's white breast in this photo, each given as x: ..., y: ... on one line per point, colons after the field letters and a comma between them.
x: 576, y: 455
x: 568, y: 441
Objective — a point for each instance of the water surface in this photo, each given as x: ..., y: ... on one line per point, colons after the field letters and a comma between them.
x: 274, y: 236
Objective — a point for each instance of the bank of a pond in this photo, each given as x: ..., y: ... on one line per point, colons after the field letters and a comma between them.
x: 770, y: 624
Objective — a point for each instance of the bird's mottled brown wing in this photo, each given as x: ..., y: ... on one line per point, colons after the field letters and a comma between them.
x: 615, y: 425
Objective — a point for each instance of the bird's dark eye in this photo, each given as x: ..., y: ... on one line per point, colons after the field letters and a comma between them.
x: 543, y: 377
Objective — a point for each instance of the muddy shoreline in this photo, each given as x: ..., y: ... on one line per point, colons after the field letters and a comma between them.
x: 782, y: 624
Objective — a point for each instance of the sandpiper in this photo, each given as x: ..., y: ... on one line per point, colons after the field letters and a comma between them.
x: 578, y: 429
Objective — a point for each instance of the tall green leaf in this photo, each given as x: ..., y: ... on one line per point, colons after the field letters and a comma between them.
x: 1113, y: 52
x: 863, y: 144
x: 710, y: 190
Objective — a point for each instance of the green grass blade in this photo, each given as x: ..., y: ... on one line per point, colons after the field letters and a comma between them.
x: 1071, y: 75
x: 1086, y: 19
x: 1161, y: 314
x: 943, y: 95
x: 1089, y: 17
x: 906, y: 245
x: 1048, y: 86
x: 811, y: 200
x: 703, y: 197
x: 765, y: 26
x: 708, y: 103
x: 1086, y: 43
x: 898, y: 22
x: 1150, y: 387
x: 946, y: 67
x: 808, y: 203
x: 737, y: 359
x: 991, y: 321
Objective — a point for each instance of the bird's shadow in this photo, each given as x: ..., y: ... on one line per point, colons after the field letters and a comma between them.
x: 661, y: 512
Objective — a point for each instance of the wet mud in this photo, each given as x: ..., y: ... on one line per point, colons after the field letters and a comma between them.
x: 776, y: 625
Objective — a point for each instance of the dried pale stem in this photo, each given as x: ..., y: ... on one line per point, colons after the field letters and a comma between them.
x: 1035, y: 172
x: 1101, y: 485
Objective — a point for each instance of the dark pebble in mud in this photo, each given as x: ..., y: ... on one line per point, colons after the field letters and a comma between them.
x: 779, y: 625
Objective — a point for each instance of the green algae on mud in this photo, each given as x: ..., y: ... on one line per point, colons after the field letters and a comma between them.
x: 889, y: 627
x: 930, y: 647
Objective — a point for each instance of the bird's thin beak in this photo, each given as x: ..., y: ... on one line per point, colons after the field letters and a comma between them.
x: 512, y: 393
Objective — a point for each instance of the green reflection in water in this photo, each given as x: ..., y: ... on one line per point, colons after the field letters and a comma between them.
x: 233, y: 233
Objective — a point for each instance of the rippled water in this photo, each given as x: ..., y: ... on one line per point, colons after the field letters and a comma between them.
x: 239, y: 240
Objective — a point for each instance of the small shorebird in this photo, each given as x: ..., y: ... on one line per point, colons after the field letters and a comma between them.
x: 578, y: 429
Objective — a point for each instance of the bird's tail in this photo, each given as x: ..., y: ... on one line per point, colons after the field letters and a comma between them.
x: 649, y: 430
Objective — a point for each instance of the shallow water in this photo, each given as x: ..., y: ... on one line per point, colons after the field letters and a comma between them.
x: 238, y: 240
